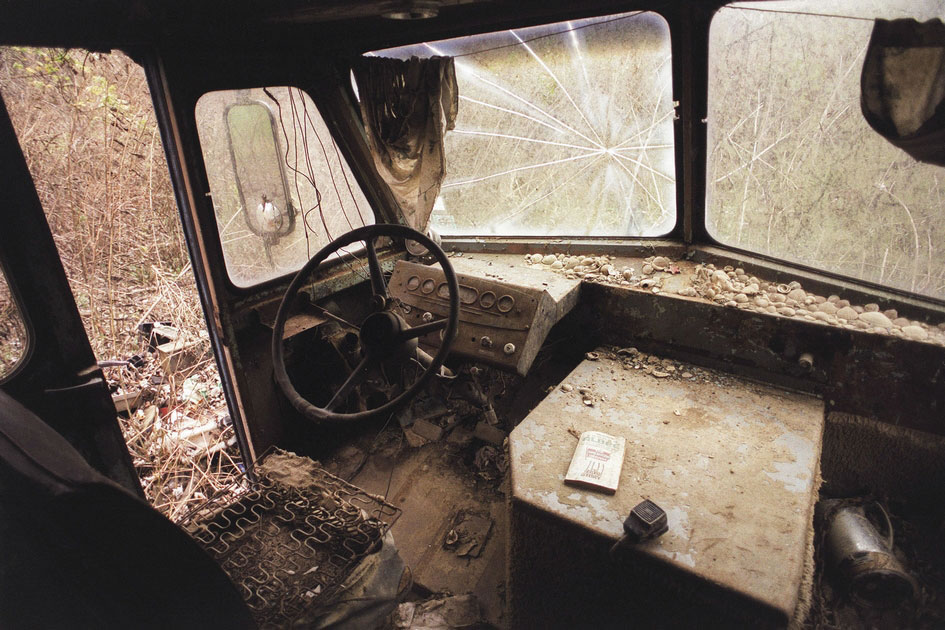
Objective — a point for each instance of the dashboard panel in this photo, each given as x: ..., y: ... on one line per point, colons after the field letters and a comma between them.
x: 499, y: 323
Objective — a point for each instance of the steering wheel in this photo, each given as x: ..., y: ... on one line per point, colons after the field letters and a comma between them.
x: 384, y: 335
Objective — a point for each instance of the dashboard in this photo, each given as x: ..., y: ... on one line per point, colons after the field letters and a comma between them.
x: 500, y: 323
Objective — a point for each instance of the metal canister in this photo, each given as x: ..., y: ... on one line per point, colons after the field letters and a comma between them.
x: 865, y: 559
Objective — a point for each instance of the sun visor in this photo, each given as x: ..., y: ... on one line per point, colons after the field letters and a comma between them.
x: 903, y: 86
x: 407, y: 107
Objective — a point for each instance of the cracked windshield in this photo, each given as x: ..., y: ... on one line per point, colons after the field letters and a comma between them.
x: 563, y: 130
x: 794, y: 170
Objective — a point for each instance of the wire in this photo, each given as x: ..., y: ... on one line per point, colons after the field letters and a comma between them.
x: 828, y: 15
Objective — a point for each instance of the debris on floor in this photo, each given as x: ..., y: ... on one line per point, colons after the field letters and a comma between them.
x: 468, y: 533
x: 175, y: 421
x: 491, y: 463
x: 441, y: 613
x: 489, y: 433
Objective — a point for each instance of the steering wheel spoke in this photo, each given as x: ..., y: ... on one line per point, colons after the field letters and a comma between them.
x: 378, y: 285
x: 422, y: 329
x: 354, y: 379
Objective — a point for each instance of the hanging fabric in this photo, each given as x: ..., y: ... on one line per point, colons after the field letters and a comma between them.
x: 407, y: 107
x: 903, y: 86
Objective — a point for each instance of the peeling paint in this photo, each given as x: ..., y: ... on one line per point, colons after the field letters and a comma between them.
x: 795, y: 475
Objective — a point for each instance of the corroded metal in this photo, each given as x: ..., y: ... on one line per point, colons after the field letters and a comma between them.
x: 289, y: 548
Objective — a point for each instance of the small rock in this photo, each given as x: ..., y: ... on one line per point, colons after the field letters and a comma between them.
x: 787, y: 311
x: 901, y: 322
x: 549, y: 259
x: 915, y: 332
x: 686, y: 374
x: 741, y: 297
x: 847, y: 313
x: 606, y: 269
x: 875, y: 318
x: 762, y: 302
x: 660, y: 374
x: 535, y: 258
x: 842, y: 303
x: 858, y: 309
x: 557, y: 265
x: 721, y: 279
x: 871, y: 308
x: 833, y: 299
x: 592, y: 356
x: 571, y: 263
x: 567, y: 387
x: 891, y: 313
x: 828, y: 307
x: 660, y: 263
x: 776, y: 297
x: 647, y: 269
x: 731, y: 303
x: 751, y: 289
x: 797, y: 295
x: 628, y: 274
x: 821, y: 316
x: 772, y: 309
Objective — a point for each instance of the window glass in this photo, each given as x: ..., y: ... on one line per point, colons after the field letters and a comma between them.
x: 794, y: 171
x: 12, y: 330
x: 280, y: 185
x: 563, y: 130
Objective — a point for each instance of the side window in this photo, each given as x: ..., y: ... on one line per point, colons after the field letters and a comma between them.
x: 563, y: 130
x: 281, y: 187
x: 12, y: 330
x: 794, y: 171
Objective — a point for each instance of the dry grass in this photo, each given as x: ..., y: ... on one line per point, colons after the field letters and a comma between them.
x: 86, y: 126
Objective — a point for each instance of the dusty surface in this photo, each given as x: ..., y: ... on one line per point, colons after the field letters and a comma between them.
x: 733, y: 464
x: 452, y: 533
x: 564, y: 290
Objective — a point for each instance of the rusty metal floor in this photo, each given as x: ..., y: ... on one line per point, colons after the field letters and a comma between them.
x: 436, y: 488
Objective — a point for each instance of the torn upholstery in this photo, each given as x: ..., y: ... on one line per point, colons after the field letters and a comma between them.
x: 903, y: 86
x: 407, y: 107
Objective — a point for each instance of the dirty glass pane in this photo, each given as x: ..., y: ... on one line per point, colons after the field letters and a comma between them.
x: 281, y: 188
x: 563, y: 130
x: 794, y: 171
x: 12, y: 330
